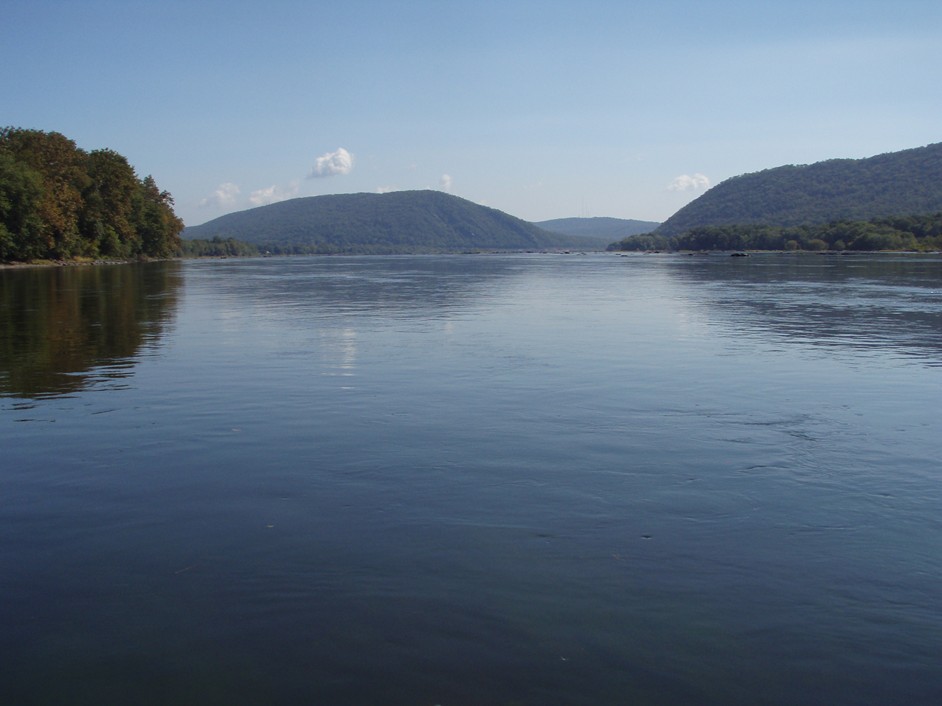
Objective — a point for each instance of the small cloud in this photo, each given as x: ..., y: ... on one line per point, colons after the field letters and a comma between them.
x: 272, y: 194
x: 332, y: 164
x: 686, y: 182
x: 386, y: 189
x: 225, y: 195
x: 445, y: 182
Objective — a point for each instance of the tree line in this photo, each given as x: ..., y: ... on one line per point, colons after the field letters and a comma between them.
x: 901, y: 233
x: 60, y: 202
x: 218, y: 247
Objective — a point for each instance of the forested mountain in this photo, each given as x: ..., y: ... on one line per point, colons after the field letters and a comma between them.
x: 597, y: 229
x: 397, y: 222
x: 892, y: 184
x: 58, y: 201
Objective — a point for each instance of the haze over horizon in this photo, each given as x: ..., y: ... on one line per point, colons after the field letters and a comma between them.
x: 541, y: 109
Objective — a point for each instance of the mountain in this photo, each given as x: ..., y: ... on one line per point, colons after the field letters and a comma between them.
x: 397, y: 222
x: 601, y: 229
x: 892, y: 184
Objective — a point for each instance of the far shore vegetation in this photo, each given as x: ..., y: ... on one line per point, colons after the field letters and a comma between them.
x: 921, y: 233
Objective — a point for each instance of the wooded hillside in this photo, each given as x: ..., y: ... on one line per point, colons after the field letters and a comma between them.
x: 398, y: 222
x: 59, y: 202
x: 893, y: 184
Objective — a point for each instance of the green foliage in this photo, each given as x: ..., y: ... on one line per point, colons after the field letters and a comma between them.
x: 154, y: 218
x: 20, y: 224
x: 399, y: 222
x: 912, y: 233
x: 59, y: 164
x: 60, y: 202
x: 108, y: 217
x: 854, y: 190
x: 217, y: 247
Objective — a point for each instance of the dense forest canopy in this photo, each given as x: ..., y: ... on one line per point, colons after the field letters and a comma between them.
x: 892, y: 184
x: 911, y: 233
x: 218, y: 247
x: 59, y: 202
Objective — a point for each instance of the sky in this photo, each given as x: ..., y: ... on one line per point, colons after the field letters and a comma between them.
x: 540, y: 108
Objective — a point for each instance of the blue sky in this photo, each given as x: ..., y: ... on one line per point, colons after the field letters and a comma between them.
x: 542, y: 109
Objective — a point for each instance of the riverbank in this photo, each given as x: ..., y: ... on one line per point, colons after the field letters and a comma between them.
x: 80, y: 262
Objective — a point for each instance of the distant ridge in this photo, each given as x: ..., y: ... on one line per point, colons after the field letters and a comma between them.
x: 893, y: 184
x: 397, y: 222
x: 602, y: 228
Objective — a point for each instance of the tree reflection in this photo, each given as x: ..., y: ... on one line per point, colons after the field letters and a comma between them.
x: 852, y: 303
x: 62, y: 328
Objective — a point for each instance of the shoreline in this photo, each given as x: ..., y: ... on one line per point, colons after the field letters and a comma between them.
x: 79, y: 263
x: 91, y: 263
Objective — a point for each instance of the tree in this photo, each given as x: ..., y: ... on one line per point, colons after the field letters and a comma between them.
x: 61, y: 166
x: 107, y: 219
x: 20, y: 224
x: 59, y: 202
x: 157, y: 225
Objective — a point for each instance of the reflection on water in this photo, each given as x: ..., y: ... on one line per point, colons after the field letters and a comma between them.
x: 389, y: 286
x: 858, y: 303
x: 530, y: 480
x: 885, y: 302
x: 65, y: 328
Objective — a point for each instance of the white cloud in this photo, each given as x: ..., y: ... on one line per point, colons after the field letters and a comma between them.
x: 445, y: 182
x: 332, y: 164
x: 272, y: 194
x: 386, y: 189
x: 686, y: 182
x: 225, y: 195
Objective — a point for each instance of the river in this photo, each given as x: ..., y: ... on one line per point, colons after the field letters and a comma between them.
x: 477, y: 480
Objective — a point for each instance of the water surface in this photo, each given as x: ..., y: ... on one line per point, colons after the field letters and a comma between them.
x: 472, y: 480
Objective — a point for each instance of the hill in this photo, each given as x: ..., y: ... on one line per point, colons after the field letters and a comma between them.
x: 397, y: 222
x: 603, y: 230
x: 892, y: 184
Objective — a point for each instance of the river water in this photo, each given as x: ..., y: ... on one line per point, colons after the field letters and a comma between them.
x: 528, y: 480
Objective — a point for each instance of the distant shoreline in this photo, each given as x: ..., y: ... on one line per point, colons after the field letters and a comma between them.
x: 92, y: 263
